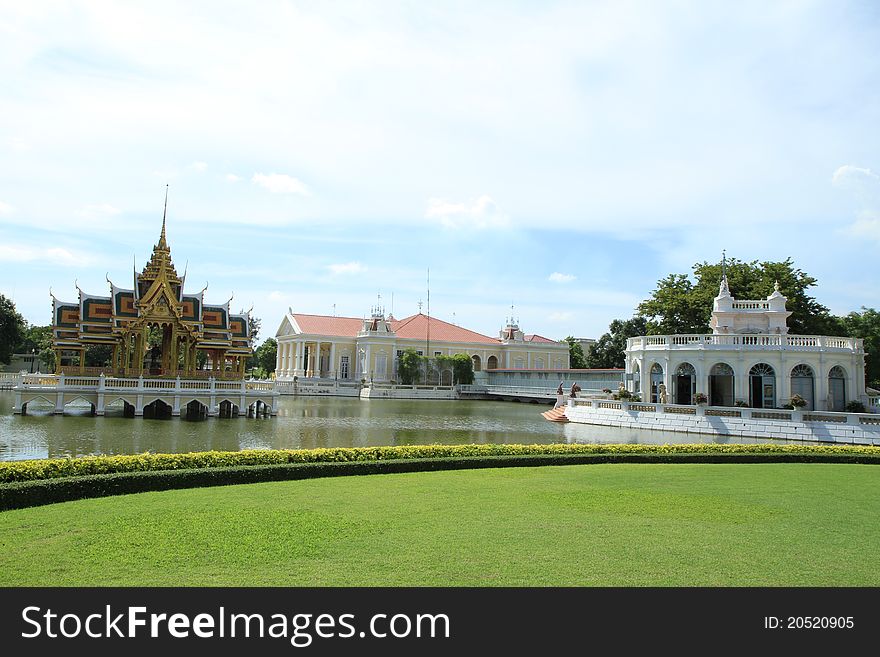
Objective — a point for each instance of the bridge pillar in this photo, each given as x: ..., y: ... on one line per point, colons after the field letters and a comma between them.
x: 16, y: 407
x: 99, y: 408
x: 59, y: 403
x: 139, y: 406
x: 175, y: 408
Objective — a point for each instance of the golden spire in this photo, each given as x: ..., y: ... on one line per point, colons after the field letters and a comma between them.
x: 162, y: 243
x: 160, y: 262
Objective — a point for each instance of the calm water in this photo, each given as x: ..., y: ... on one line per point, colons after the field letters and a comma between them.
x: 308, y: 422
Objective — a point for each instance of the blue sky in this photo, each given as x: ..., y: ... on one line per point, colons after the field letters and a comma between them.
x: 558, y: 156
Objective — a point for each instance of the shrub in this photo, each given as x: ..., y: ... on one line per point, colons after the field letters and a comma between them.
x: 855, y: 406
x: 797, y: 401
x: 740, y: 404
x: 700, y: 398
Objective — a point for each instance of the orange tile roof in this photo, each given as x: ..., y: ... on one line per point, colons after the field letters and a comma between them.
x: 416, y: 326
x: 343, y: 327
x: 539, y: 338
x: 413, y: 327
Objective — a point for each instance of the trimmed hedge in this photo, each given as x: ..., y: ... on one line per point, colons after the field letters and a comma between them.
x: 11, y: 471
x: 21, y: 494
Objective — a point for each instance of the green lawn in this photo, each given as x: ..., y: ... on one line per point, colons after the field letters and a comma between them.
x: 593, y: 525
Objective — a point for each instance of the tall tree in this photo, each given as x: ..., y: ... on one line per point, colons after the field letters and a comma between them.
x: 577, y: 360
x: 12, y: 329
x: 265, y: 356
x: 866, y: 325
x: 609, y: 349
x: 679, y: 305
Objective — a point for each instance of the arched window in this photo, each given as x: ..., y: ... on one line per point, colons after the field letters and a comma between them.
x: 802, y: 384
x: 721, y: 385
x: 837, y: 389
x: 656, y: 382
x: 637, y: 378
x: 762, y: 386
x: 684, y: 384
x: 477, y: 362
x: 492, y: 363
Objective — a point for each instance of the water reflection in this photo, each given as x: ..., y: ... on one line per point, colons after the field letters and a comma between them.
x: 308, y: 423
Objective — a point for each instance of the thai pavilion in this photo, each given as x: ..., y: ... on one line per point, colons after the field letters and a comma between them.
x: 749, y: 358
x: 350, y: 348
x: 155, y: 311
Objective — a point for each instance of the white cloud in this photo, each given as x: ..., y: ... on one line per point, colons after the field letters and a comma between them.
x: 866, y: 226
x: 275, y: 295
x: 481, y: 214
x: 849, y: 173
x: 560, y: 316
x: 55, y: 256
x: 198, y: 166
x: 5, y: 208
x: 99, y: 210
x: 280, y: 183
x: 347, y: 268
x: 231, y: 177
x: 556, y: 277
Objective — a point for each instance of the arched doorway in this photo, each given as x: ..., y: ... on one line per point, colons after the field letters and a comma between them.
x: 477, y: 362
x: 492, y: 363
x: 802, y: 384
x: 656, y: 381
x: 157, y: 410
x: 684, y: 384
x: 721, y: 385
x: 762, y: 386
x: 836, y: 389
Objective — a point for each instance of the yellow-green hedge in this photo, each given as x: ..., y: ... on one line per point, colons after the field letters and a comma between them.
x: 12, y: 471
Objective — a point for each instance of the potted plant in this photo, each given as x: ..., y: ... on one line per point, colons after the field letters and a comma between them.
x: 798, y: 402
x: 700, y: 398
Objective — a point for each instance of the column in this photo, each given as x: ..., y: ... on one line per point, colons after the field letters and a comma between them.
x: 297, y: 358
x: 784, y: 379
x: 820, y: 383
x: 740, y: 379
x: 528, y: 360
x: 82, y: 361
x: 333, y: 366
x: 368, y: 365
x: 507, y: 359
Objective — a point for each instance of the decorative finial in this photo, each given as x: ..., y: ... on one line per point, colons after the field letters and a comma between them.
x: 162, y: 243
x: 723, y: 263
x: 420, y: 306
x: 776, y: 286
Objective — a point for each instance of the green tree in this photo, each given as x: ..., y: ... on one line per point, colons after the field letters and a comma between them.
x: 265, y: 356
x: 577, y: 360
x: 679, y: 305
x: 254, y: 328
x: 98, y: 355
x: 463, y: 367
x: 409, y: 365
x: 866, y: 325
x: 12, y: 329
x: 609, y: 349
x: 38, y: 339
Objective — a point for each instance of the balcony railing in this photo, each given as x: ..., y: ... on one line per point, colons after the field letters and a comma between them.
x: 772, y: 341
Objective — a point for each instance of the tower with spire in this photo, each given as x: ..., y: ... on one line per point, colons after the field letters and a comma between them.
x: 155, y: 328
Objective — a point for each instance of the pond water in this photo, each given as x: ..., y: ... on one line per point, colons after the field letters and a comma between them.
x: 308, y: 422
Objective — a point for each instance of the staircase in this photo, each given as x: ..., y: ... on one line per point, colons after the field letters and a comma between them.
x: 555, y: 415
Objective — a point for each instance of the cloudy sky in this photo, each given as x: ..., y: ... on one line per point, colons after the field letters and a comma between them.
x: 560, y: 157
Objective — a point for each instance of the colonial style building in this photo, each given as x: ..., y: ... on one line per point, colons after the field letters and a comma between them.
x: 154, y: 328
x: 349, y: 348
x: 748, y: 358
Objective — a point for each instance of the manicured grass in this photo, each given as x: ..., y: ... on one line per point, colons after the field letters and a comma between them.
x: 594, y: 525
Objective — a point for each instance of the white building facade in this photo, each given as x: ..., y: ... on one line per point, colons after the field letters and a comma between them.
x: 749, y: 358
x: 348, y: 348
